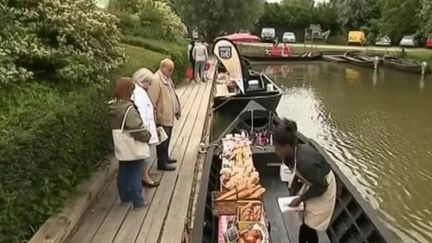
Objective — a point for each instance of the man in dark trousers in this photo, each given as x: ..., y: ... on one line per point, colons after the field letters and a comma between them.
x: 167, y: 106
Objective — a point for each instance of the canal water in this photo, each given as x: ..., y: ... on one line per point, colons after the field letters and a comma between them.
x: 377, y: 126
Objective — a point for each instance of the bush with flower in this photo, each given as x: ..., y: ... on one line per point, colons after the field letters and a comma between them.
x: 68, y: 40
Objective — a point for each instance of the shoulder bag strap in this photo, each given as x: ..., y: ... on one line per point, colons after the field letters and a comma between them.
x: 124, y: 118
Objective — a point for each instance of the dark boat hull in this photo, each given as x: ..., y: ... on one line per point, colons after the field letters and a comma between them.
x: 403, y: 65
x: 362, y: 61
x: 353, y: 219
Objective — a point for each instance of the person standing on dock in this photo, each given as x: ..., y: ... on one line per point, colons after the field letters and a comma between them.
x: 143, y: 79
x: 131, y: 148
x: 200, y: 56
x: 167, y: 106
x: 314, y: 182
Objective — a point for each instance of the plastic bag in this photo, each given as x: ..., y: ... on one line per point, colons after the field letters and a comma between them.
x: 189, y: 73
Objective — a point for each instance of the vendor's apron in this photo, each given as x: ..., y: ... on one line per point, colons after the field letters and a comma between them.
x: 319, y: 210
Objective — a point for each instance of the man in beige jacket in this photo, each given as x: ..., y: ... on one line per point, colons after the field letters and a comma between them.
x: 167, y: 108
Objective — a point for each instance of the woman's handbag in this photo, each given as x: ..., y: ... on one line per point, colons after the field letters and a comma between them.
x: 126, y: 147
x: 162, y: 135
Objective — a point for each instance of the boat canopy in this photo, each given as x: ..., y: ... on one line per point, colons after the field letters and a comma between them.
x: 229, y: 56
x: 241, y: 37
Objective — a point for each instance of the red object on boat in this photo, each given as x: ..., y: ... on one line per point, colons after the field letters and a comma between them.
x: 275, y: 51
x: 189, y: 73
x: 207, y: 66
x: 286, y: 51
x: 242, y: 37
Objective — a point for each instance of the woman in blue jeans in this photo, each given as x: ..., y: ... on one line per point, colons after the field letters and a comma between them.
x: 124, y: 113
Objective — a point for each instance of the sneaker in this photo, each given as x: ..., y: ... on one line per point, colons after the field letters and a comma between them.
x: 125, y: 203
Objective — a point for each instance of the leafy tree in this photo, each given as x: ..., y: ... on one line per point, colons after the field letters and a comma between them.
x: 399, y: 17
x: 302, y: 3
x: 213, y: 16
x: 296, y: 13
x: 353, y: 14
x: 425, y: 15
x: 326, y: 15
x: 68, y: 40
x: 148, y: 18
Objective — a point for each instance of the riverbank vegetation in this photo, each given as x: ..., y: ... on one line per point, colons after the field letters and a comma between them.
x: 394, y: 18
x: 57, y: 61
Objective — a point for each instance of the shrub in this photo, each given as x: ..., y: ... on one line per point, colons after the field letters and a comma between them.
x: 68, y: 40
x: 50, y: 140
x: 149, y: 19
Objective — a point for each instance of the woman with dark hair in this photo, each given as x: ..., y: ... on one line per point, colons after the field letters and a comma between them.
x: 124, y: 115
x: 314, y: 182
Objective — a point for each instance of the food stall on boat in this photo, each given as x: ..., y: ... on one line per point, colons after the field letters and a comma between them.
x: 239, y: 84
x: 242, y: 180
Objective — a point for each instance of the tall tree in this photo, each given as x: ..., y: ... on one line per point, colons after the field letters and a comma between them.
x: 399, y: 17
x: 213, y: 16
x: 425, y: 15
x: 303, y: 3
x: 353, y: 14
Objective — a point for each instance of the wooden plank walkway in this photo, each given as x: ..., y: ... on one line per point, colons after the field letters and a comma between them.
x: 165, y: 218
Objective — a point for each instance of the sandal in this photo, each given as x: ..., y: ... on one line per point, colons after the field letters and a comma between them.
x: 154, y: 184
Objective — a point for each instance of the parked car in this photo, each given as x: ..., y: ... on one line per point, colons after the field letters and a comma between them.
x: 429, y: 41
x: 289, y: 37
x: 410, y: 41
x: 356, y: 37
x: 268, y: 34
x: 383, y: 41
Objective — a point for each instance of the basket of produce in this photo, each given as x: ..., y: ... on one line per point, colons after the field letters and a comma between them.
x: 253, y: 233
x: 225, y: 203
x: 238, y: 177
x: 249, y: 211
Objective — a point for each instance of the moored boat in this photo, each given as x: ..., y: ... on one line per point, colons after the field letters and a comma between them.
x: 405, y: 65
x: 359, y: 59
x: 246, y: 85
x: 353, y: 219
x: 334, y: 58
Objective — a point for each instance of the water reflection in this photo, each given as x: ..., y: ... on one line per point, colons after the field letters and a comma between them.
x: 377, y: 127
x: 375, y: 77
x: 422, y: 82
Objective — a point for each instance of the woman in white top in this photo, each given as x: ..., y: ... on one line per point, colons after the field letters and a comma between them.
x: 200, y: 55
x: 143, y: 78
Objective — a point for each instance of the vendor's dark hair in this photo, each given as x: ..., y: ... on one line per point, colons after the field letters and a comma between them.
x: 285, y: 133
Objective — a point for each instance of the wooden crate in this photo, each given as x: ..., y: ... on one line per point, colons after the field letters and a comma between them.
x: 224, y: 207
x: 227, y: 207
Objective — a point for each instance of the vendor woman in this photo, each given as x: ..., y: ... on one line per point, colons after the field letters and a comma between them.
x: 313, y: 181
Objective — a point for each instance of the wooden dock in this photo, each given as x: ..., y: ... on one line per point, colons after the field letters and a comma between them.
x: 166, y: 217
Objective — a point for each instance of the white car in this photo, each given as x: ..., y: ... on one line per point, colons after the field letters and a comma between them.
x: 409, y: 40
x: 383, y: 41
x: 268, y: 34
x: 289, y: 37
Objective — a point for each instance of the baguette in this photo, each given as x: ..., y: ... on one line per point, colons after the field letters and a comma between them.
x: 258, y: 193
x: 248, y: 192
x: 231, y: 193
